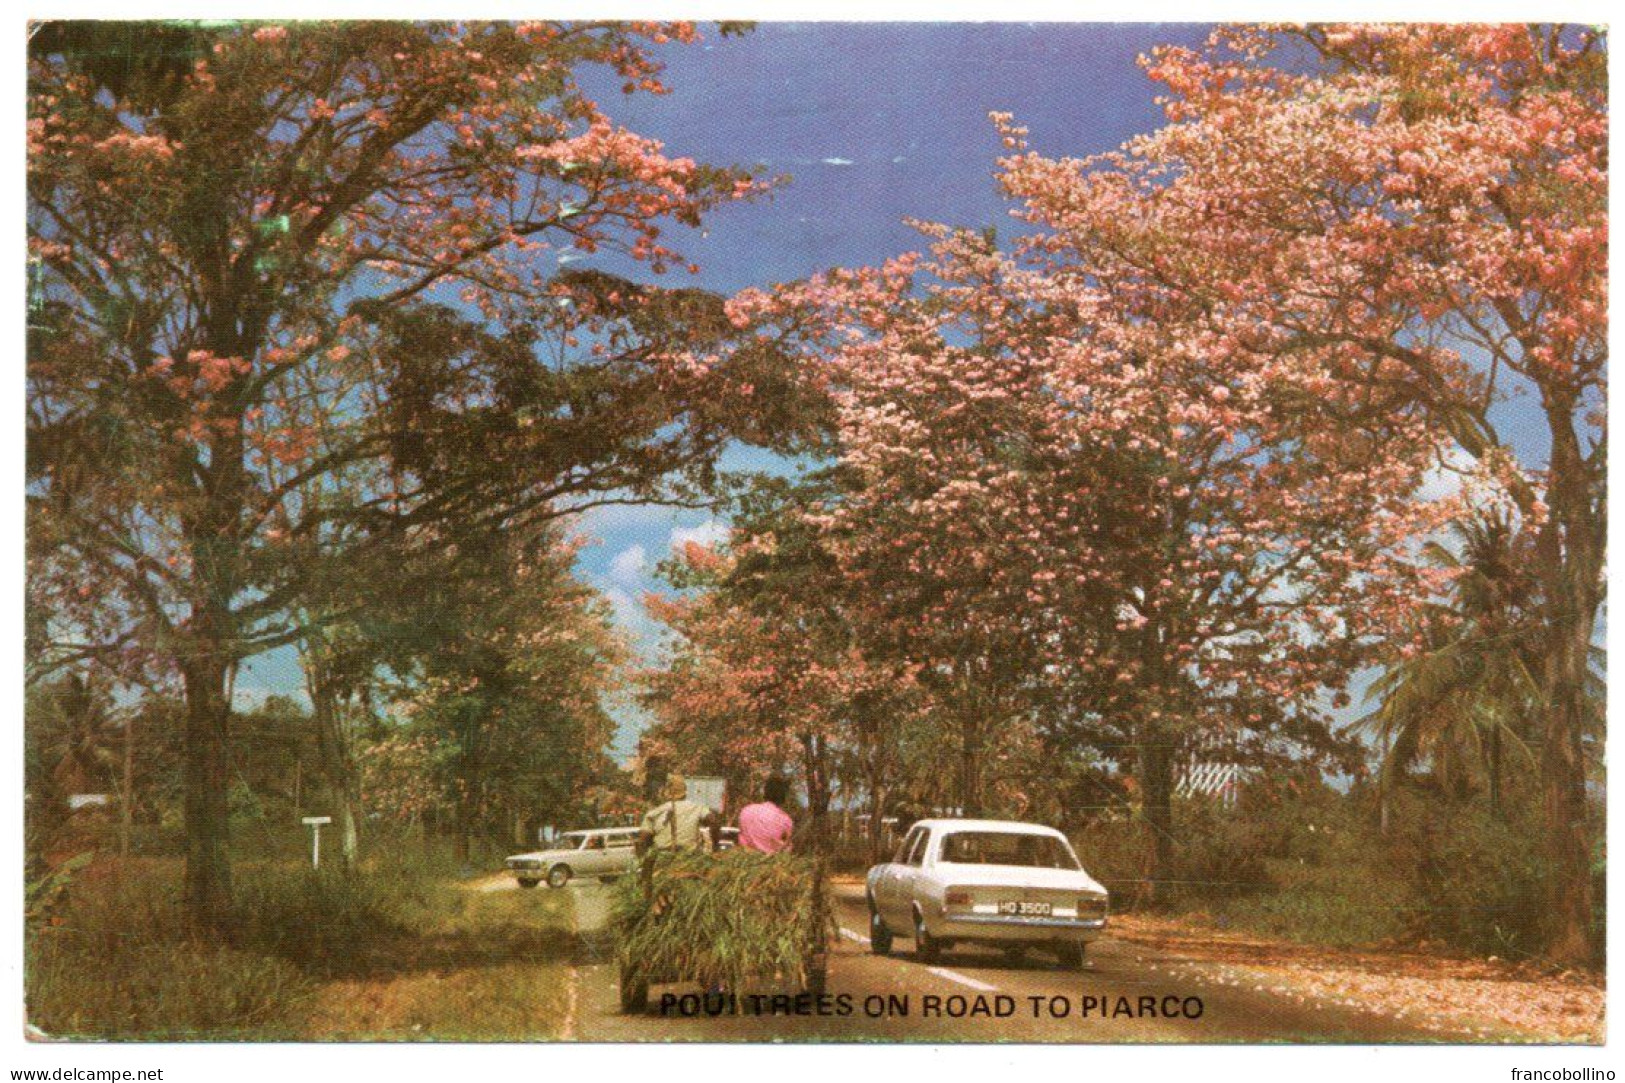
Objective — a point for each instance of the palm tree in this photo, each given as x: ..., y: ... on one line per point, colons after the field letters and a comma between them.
x: 78, y: 732
x: 1463, y: 703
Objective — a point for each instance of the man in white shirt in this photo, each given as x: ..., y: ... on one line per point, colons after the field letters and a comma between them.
x: 677, y: 823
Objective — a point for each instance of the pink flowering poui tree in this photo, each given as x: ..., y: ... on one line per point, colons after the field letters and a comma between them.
x: 1128, y: 533
x: 1414, y: 218
x: 765, y: 672
x: 273, y: 265
x: 398, y: 778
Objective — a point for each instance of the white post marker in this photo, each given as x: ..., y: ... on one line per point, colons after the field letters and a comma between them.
x: 316, y: 823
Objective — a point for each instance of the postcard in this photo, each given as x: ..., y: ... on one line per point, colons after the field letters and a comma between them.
x: 593, y: 531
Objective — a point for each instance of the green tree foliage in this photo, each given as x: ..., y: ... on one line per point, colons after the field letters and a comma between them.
x: 1466, y: 701
x: 295, y: 307
x: 505, y: 671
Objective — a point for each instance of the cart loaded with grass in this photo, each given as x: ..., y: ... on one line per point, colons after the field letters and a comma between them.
x: 732, y: 920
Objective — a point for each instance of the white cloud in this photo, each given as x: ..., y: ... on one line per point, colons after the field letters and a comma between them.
x: 629, y: 565
x: 707, y: 533
x: 837, y: 161
x: 629, y: 612
x: 641, y: 630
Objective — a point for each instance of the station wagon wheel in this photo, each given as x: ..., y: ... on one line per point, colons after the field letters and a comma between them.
x: 925, y: 947
x: 1071, y: 955
x: 558, y: 876
x: 879, y: 935
x: 529, y: 883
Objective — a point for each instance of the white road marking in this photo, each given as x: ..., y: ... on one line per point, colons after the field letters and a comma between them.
x: 944, y: 972
x: 939, y: 971
x: 572, y: 1009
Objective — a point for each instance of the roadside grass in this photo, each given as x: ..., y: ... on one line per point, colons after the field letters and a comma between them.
x: 115, y: 961
x: 487, y: 966
x: 1312, y: 903
x: 384, y: 953
x: 1319, y: 871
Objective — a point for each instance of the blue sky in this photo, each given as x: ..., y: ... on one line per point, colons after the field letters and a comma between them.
x: 874, y: 123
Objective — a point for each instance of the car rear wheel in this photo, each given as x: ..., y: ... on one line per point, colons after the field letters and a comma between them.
x: 558, y: 876
x: 879, y: 935
x: 925, y: 947
x: 1071, y: 955
x: 529, y: 883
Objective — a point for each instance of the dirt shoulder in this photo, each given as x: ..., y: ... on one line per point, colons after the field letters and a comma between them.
x: 1495, y: 999
x: 495, y: 965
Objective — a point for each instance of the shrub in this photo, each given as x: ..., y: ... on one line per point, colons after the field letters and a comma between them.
x: 115, y: 960
x: 1116, y: 852
x: 326, y: 921
x: 173, y: 990
x: 1220, y: 853
x: 1344, y: 903
x: 1479, y: 878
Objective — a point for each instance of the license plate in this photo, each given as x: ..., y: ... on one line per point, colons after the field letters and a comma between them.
x: 1011, y: 908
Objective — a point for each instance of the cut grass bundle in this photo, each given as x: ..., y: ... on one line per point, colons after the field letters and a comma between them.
x: 721, y: 920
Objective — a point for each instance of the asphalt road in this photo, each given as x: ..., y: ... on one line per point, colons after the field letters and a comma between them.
x: 978, y: 995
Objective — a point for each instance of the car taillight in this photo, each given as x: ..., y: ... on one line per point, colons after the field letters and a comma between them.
x: 956, y: 898
x: 1091, y: 907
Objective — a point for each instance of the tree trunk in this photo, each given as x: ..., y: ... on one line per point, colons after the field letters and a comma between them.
x: 877, y: 819
x: 876, y: 775
x: 817, y: 772
x: 127, y: 798
x: 349, y: 834
x: 208, y: 660
x: 335, y: 756
x: 1568, y: 849
x: 207, y: 775
x: 1384, y: 786
x: 1157, y: 797
x: 1495, y: 770
x: 1569, y: 550
x: 970, y: 765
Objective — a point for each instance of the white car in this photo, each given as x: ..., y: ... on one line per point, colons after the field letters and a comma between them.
x: 604, y: 852
x: 993, y: 882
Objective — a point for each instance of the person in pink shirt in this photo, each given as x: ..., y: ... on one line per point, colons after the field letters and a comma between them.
x: 765, y: 827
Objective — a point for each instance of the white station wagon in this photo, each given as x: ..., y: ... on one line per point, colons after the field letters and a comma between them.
x: 993, y: 882
x: 604, y: 852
